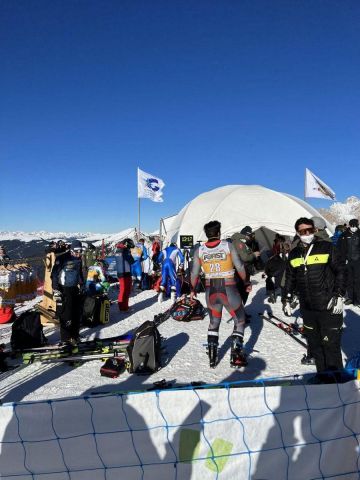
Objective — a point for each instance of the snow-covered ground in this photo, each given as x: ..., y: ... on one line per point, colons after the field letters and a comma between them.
x: 271, y: 352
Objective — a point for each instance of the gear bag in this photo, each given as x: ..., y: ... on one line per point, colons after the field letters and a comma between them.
x: 113, y: 367
x: 96, y: 311
x: 27, y: 331
x: 187, y: 310
x: 144, y: 349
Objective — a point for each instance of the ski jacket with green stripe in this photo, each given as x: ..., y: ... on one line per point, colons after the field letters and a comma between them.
x: 315, y: 273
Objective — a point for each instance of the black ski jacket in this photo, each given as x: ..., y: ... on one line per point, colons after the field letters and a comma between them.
x: 319, y: 279
x: 349, y: 245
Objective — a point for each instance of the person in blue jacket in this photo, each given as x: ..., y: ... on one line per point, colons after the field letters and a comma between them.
x: 139, y: 254
x: 167, y: 258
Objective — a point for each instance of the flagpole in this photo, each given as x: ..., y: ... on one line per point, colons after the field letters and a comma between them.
x: 138, y: 235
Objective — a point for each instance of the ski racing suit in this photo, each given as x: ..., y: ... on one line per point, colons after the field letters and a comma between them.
x: 219, y: 260
x: 167, y: 258
x: 139, y: 254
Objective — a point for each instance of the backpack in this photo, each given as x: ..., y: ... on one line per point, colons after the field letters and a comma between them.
x: 27, y: 331
x: 96, y: 311
x: 145, y: 282
x: 144, y: 349
x: 187, y: 310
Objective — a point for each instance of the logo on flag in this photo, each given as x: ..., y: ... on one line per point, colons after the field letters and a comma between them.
x: 316, y: 188
x: 150, y: 186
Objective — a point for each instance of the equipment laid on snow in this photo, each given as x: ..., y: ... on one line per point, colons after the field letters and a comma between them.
x: 187, y: 309
x: 96, y: 310
x: 27, y: 331
x: 144, y: 349
x: 295, y: 328
x: 281, y: 326
x: 113, y: 367
x: 80, y: 358
x: 102, y: 348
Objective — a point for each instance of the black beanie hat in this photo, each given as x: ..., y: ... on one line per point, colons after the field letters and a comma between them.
x: 246, y: 230
x: 354, y: 222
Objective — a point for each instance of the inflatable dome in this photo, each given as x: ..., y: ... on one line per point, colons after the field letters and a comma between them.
x: 235, y: 206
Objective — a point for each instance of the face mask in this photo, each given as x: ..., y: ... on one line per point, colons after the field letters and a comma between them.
x: 307, y: 238
x: 353, y: 229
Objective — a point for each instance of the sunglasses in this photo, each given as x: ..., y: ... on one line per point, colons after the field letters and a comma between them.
x: 77, y: 250
x: 306, y: 231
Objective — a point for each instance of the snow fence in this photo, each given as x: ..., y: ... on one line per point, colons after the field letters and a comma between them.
x: 266, y: 432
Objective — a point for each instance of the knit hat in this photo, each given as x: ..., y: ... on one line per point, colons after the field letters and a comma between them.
x: 76, y: 245
x: 246, y: 230
x: 319, y: 223
x: 354, y: 222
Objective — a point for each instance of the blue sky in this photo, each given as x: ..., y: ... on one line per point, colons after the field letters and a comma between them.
x: 200, y: 93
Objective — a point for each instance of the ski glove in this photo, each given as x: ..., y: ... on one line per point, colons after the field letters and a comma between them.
x: 106, y: 286
x: 287, y: 305
x: 287, y: 309
x: 294, y: 302
x: 336, y: 305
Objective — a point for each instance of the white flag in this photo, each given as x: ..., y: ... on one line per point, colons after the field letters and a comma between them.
x: 150, y: 186
x: 316, y: 188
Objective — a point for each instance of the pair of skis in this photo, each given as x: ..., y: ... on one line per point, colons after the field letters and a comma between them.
x: 290, y: 329
x: 81, y: 352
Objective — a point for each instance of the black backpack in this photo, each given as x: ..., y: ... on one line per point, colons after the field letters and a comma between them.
x: 144, y: 350
x: 27, y: 331
x: 96, y: 311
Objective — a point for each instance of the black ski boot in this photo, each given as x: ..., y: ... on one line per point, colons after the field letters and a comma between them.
x: 237, y: 354
x: 307, y: 359
x: 213, y: 341
x: 272, y: 298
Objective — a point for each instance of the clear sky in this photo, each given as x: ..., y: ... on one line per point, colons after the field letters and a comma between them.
x: 202, y: 93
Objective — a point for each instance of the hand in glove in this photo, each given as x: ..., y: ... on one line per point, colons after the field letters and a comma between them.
x: 294, y: 302
x: 287, y: 309
x: 56, y: 294
x: 106, y: 286
x: 336, y: 305
x: 287, y: 305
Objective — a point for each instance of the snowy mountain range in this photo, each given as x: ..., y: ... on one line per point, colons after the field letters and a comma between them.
x: 34, y: 236
x: 339, y: 213
x: 23, y: 244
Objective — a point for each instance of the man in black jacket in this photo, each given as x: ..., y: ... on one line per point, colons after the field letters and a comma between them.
x: 67, y: 278
x: 349, y: 247
x: 316, y: 273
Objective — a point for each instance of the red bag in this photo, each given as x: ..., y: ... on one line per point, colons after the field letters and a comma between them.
x: 7, y: 314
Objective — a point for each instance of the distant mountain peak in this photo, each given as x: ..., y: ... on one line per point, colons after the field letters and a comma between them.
x: 339, y: 213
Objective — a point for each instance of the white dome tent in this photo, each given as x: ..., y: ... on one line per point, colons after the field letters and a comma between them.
x: 235, y: 206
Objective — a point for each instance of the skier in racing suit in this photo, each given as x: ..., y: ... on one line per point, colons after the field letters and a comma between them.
x: 139, y: 254
x: 219, y: 260
x: 167, y: 259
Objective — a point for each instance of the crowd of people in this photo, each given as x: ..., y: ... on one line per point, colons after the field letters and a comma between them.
x: 312, y: 271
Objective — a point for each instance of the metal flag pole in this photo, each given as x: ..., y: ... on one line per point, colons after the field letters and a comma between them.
x: 138, y: 233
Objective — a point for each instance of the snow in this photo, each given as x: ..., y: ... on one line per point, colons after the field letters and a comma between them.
x: 272, y: 352
x: 31, y: 236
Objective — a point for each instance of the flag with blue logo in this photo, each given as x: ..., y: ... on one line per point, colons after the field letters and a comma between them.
x: 150, y: 186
